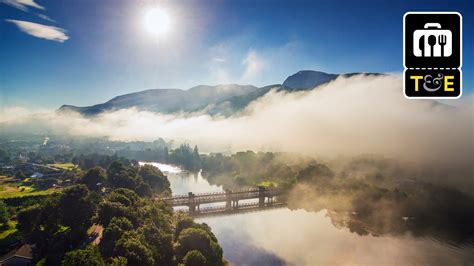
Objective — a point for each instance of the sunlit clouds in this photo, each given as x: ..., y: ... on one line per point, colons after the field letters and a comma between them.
x: 37, y: 30
x: 46, y: 18
x: 41, y: 31
x: 349, y: 116
x: 22, y: 4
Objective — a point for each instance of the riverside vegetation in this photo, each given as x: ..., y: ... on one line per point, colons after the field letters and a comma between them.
x: 367, y: 194
x: 136, y: 228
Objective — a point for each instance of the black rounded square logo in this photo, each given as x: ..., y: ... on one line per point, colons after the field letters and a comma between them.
x: 432, y: 54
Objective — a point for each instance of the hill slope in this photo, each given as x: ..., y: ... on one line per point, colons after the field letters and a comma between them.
x: 167, y: 100
x: 221, y: 99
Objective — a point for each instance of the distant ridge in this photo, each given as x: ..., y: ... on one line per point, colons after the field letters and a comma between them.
x: 166, y: 100
x: 220, y: 99
x: 307, y: 79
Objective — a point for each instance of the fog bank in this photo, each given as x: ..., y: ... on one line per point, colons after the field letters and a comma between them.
x: 349, y: 116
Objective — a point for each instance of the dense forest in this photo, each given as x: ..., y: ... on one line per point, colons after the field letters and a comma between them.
x: 111, y: 191
x: 137, y: 228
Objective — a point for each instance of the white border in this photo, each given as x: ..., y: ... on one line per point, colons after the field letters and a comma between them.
x: 460, y: 55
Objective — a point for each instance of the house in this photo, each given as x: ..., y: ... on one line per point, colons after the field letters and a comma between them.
x: 20, y: 256
x: 37, y: 175
x: 19, y: 158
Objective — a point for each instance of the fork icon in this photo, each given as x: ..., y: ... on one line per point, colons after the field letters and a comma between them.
x: 442, y: 43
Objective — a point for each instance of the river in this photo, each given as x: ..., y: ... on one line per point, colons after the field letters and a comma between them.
x: 298, y: 237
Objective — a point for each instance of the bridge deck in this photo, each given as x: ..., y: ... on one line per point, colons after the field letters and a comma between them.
x: 243, y: 208
x: 204, y: 198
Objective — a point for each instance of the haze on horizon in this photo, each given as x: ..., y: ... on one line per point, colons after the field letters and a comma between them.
x: 346, y: 117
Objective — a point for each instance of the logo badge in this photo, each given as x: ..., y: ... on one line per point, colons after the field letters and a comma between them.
x: 432, y: 54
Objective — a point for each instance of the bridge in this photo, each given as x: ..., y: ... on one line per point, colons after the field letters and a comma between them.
x: 267, y: 198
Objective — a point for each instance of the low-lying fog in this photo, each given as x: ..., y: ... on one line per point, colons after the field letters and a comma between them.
x: 349, y: 116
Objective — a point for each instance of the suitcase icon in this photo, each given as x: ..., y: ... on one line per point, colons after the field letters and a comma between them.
x: 432, y: 41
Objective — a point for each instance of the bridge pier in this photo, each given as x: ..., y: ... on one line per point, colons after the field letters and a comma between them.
x: 261, y: 196
x: 192, y: 205
x: 270, y: 200
x: 228, y: 199
x: 192, y: 208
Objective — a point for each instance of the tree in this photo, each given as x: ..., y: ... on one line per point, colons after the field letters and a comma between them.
x: 199, y: 239
x: 4, y: 156
x: 134, y: 250
x: 121, y: 176
x: 20, y: 175
x: 4, y: 215
x: 93, y: 177
x: 120, y: 203
x: 113, y: 232
x: 76, y: 207
x: 315, y: 173
x: 117, y: 261
x: 108, y: 210
x: 125, y: 196
x: 183, y: 222
x: 82, y: 257
x: 194, y: 258
x: 166, y: 154
x: 160, y: 243
x: 196, y: 151
x: 31, y: 217
x: 154, y: 177
x: 196, y: 159
x: 143, y: 189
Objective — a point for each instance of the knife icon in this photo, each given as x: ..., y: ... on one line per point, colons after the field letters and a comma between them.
x: 421, y: 45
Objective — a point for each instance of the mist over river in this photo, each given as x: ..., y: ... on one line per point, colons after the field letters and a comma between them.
x: 298, y: 237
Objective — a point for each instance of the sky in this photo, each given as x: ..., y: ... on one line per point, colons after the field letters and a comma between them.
x: 87, y: 52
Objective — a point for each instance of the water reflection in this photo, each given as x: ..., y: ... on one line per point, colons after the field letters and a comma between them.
x: 447, y: 235
x: 183, y: 182
x: 300, y: 237
x: 320, y: 237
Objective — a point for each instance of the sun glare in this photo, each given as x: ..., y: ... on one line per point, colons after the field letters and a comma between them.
x: 157, y: 21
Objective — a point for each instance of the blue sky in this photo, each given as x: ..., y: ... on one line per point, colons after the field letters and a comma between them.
x: 100, y: 49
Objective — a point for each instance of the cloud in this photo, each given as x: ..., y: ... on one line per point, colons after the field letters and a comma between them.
x: 22, y: 4
x: 46, y: 17
x: 41, y: 31
x: 218, y: 59
x: 254, y: 65
x: 259, y: 66
x: 349, y: 116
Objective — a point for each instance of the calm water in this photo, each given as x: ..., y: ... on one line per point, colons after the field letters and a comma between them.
x: 297, y: 237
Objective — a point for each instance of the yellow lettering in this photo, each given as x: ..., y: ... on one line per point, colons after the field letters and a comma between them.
x: 447, y: 83
x: 416, y: 78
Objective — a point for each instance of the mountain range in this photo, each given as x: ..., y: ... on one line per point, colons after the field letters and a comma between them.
x: 220, y: 99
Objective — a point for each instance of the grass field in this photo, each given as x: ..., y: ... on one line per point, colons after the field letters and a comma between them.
x: 23, y: 193
x: 268, y: 184
x: 65, y: 166
x: 16, y: 189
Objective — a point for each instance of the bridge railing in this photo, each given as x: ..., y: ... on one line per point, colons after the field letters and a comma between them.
x: 220, y: 195
x: 242, y: 206
x: 209, y: 193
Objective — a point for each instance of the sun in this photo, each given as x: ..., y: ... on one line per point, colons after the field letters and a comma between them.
x: 157, y: 21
